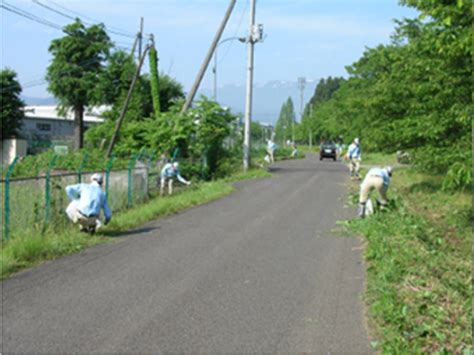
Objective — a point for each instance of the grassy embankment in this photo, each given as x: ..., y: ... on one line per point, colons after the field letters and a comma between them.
x: 418, y: 254
x: 27, y: 249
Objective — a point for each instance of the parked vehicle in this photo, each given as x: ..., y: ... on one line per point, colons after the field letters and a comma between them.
x: 328, y: 150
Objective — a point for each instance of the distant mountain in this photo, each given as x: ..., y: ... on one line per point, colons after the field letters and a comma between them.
x: 34, y: 101
x: 267, y: 99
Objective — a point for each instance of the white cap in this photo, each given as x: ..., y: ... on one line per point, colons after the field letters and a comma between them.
x: 356, y: 140
x: 175, y: 164
x: 97, y: 178
x: 389, y: 170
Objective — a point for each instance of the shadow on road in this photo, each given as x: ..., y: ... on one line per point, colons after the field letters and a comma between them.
x: 130, y: 232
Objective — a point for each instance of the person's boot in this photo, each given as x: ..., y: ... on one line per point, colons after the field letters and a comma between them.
x: 362, y: 210
x: 98, y: 225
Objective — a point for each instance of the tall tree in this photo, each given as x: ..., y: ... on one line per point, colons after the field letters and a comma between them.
x: 413, y: 94
x: 73, y: 74
x: 286, y: 121
x: 11, y: 105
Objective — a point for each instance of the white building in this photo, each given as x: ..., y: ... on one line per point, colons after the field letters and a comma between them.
x: 43, y: 127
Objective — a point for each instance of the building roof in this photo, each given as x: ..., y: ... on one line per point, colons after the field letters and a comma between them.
x: 91, y: 115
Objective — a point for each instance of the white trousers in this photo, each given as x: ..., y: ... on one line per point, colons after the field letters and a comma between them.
x: 163, y: 183
x: 75, y: 216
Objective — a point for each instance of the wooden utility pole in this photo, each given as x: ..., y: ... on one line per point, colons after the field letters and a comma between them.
x: 125, y: 104
x: 207, y: 59
x: 138, y: 40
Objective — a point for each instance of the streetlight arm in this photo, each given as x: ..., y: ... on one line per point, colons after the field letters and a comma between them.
x: 214, y: 68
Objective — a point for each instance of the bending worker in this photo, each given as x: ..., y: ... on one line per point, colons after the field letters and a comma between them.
x: 271, y: 147
x: 86, y: 202
x: 376, y: 179
x: 354, y: 154
x: 168, y: 173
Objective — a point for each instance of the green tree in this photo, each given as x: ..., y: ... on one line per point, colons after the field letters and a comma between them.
x: 116, y: 77
x: 171, y: 91
x: 11, y: 104
x: 77, y: 64
x: 286, y: 121
x: 322, y: 93
x: 413, y: 94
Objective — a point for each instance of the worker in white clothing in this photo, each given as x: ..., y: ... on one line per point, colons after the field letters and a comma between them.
x: 87, y: 200
x: 168, y: 173
x: 376, y: 179
x: 354, y: 155
x: 271, y: 147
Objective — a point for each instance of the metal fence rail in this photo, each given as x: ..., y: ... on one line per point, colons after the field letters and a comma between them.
x: 35, y: 203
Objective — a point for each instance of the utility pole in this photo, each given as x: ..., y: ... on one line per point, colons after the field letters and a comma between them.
x: 134, y: 45
x: 140, y: 39
x: 125, y: 105
x: 310, y: 131
x: 301, y: 86
x: 255, y: 35
x: 207, y: 59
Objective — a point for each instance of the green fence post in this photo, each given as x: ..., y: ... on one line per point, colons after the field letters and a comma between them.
x: 131, y: 165
x: 107, y: 173
x: 204, y: 166
x: 81, y: 167
x: 47, y: 194
x: 6, y: 200
x: 175, y: 154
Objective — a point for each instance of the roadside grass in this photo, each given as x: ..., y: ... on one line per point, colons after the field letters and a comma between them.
x: 379, y: 159
x: 29, y: 247
x: 418, y: 254
x: 167, y: 205
x: 249, y: 175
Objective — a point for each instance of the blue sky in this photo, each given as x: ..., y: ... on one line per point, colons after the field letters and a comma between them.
x: 311, y: 38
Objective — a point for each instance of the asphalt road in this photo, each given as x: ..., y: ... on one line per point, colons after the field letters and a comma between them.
x: 257, y: 271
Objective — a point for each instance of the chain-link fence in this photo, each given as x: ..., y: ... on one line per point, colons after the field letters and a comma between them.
x: 33, y: 204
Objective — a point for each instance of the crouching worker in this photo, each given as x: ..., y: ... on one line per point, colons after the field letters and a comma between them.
x: 86, y: 202
x: 376, y: 179
x: 168, y: 173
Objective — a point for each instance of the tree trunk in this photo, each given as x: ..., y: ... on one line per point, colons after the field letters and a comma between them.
x: 78, y: 127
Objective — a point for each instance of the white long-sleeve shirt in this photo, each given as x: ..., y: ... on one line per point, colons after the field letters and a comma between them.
x: 169, y: 171
x: 354, y: 151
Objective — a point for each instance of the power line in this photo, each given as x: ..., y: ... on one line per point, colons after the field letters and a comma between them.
x: 29, y: 16
x: 110, y: 29
x: 39, y: 82
x: 53, y: 10
x: 235, y: 33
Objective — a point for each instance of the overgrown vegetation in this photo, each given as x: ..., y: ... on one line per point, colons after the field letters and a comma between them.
x: 418, y: 254
x: 414, y: 94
